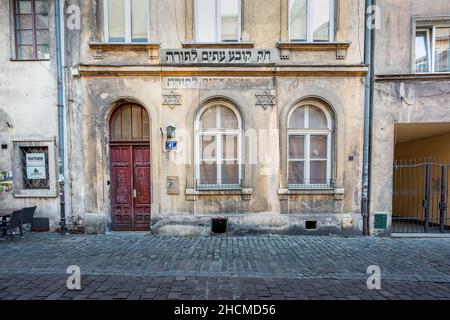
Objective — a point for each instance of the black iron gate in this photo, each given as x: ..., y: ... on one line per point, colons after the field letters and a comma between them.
x: 420, y: 197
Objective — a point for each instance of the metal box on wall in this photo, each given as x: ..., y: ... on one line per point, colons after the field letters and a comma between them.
x: 380, y: 221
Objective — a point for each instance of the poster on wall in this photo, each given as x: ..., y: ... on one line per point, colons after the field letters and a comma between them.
x: 36, y: 167
x: 6, y: 182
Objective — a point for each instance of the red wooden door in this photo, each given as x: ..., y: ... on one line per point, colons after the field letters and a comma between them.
x: 142, y: 187
x: 131, y: 188
x: 122, y: 188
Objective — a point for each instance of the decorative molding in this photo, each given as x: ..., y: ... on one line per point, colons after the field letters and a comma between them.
x: 99, y: 55
x: 218, y: 45
x: 276, y: 71
x: 172, y: 100
x: 429, y: 20
x: 124, y: 46
x: 340, y: 48
x: 265, y: 100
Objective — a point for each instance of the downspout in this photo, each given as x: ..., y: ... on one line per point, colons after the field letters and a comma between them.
x: 368, y: 50
x: 60, y: 89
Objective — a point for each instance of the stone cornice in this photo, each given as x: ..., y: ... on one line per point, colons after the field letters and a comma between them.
x: 412, y: 77
x: 90, y: 70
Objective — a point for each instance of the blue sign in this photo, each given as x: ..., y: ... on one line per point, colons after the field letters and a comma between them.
x: 170, y: 145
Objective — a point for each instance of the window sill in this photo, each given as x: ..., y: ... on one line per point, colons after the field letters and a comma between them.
x: 338, y: 193
x: 35, y: 194
x: 218, y: 45
x: 245, y: 193
x: 340, y: 48
x: 124, y: 46
x: 28, y: 60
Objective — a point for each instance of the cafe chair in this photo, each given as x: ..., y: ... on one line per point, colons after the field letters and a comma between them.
x: 27, y: 216
x: 12, y: 224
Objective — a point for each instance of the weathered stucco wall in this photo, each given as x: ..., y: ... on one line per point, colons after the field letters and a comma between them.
x: 92, y: 97
x: 28, y: 103
x: 394, y: 42
x: 409, y: 99
x: 400, y: 102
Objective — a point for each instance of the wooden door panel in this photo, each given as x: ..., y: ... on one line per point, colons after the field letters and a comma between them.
x: 121, y: 187
x: 142, y: 185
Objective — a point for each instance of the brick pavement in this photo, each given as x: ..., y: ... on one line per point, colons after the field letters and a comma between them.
x: 141, y: 266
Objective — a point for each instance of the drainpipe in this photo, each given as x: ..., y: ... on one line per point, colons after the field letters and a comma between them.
x: 368, y: 51
x: 60, y: 89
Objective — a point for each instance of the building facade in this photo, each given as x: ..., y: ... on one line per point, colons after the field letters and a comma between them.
x: 183, y: 111
x: 28, y: 108
x: 411, y: 122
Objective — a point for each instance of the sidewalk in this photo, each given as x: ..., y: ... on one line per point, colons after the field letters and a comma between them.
x: 141, y: 266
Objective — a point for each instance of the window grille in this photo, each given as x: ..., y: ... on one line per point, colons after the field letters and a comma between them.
x: 28, y: 182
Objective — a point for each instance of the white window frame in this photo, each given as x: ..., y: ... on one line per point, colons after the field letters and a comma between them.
x: 429, y: 53
x: 431, y: 40
x: 218, y: 133
x: 309, y: 23
x: 307, y: 133
x: 127, y: 13
x: 218, y: 36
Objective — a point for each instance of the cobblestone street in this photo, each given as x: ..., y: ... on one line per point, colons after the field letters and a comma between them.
x: 141, y: 266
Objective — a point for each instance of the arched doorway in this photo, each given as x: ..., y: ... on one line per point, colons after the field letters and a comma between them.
x: 130, y: 168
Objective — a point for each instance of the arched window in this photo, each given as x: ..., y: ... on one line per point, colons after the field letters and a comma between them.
x: 309, y: 147
x: 130, y: 123
x: 218, y: 154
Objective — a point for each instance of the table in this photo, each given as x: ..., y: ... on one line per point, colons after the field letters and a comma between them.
x: 6, y: 212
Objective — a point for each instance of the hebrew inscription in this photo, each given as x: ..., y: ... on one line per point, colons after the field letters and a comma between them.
x: 218, y: 56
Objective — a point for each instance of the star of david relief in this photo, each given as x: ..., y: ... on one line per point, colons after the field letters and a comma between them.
x: 265, y: 100
x: 172, y: 100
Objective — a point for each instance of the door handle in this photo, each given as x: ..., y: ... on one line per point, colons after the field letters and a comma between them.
x: 134, y: 193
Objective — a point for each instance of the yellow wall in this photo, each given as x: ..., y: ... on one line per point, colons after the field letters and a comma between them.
x: 409, y: 183
x: 435, y: 147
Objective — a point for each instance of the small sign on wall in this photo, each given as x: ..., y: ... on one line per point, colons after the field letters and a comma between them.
x: 36, y: 166
x: 173, y: 186
x: 171, y: 145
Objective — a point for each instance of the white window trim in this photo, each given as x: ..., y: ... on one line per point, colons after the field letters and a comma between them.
x: 218, y: 36
x: 127, y: 13
x: 429, y: 46
x: 199, y: 132
x: 431, y: 40
x: 309, y: 29
x: 307, y: 133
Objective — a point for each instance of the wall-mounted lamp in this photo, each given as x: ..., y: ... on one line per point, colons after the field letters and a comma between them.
x: 171, y: 132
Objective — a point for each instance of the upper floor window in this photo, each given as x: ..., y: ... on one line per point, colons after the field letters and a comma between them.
x: 433, y: 49
x: 126, y: 21
x: 31, y: 30
x: 309, y: 147
x: 218, y: 20
x: 311, y: 20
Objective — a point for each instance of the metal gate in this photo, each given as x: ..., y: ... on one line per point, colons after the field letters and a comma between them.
x: 420, y: 197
